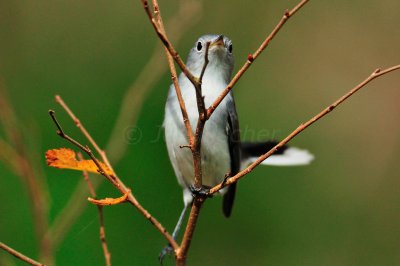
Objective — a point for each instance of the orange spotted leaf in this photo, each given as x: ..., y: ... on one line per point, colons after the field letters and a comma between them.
x: 66, y: 159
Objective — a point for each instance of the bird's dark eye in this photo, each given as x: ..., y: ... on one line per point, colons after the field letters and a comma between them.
x: 199, y: 46
x: 230, y: 48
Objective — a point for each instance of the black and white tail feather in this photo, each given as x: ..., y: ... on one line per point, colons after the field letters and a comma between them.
x: 286, y: 156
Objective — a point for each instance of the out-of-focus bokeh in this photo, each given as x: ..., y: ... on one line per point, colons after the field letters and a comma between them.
x: 343, y: 209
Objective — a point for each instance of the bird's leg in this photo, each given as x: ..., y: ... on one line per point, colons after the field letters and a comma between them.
x: 168, y: 249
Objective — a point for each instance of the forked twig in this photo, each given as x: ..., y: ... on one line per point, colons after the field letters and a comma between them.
x: 118, y: 184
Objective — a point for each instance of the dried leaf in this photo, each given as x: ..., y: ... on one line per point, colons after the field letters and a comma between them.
x: 66, y: 159
x: 110, y: 201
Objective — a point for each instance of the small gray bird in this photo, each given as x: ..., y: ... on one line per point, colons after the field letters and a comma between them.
x: 221, y: 149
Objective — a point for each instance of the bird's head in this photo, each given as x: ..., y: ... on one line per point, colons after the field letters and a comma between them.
x: 220, y: 56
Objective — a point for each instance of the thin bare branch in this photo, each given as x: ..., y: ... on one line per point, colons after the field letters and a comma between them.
x: 174, y: 77
x: 168, y: 45
x: 377, y: 73
x: 181, y: 255
x: 19, y: 255
x: 101, y: 152
x: 252, y: 57
x: 196, y: 143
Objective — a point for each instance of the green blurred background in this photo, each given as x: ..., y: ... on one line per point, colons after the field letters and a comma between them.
x: 343, y: 209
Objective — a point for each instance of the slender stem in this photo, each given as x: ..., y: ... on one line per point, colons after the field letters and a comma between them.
x: 92, y: 191
x: 190, y: 228
x: 174, y: 77
x: 20, y: 255
x: 196, y: 144
x: 163, y: 37
x: 377, y: 73
x: 252, y: 57
x: 24, y: 166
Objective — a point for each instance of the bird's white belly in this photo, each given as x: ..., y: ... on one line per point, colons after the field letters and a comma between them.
x: 214, y: 151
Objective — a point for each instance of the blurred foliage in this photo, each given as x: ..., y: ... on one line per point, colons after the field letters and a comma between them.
x: 341, y: 210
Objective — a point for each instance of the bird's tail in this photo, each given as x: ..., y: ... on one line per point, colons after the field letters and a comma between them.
x: 286, y: 156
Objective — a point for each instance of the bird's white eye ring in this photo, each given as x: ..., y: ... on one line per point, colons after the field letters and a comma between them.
x: 230, y: 48
x: 199, y: 46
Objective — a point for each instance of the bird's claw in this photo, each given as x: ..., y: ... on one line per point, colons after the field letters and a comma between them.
x: 201, y: 191
x: 167, y: 250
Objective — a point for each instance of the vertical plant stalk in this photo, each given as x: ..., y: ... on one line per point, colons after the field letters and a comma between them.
x: 102, y: 233
x: 21, y: 164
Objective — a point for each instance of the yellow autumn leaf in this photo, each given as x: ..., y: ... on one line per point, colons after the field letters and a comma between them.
x: 66, y: 159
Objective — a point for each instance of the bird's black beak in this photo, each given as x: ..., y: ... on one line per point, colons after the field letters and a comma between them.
x: 218, y: 42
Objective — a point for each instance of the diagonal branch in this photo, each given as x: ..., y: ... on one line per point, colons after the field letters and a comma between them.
x: 163, y: 37
x: 377, y: 73
x: 252, y: 57
x: 174, y: 76
x: 77, y: 122
x: 19, y: 255
x: 118, y: 184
